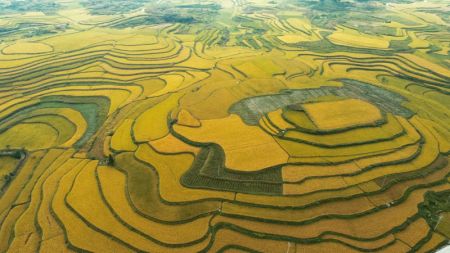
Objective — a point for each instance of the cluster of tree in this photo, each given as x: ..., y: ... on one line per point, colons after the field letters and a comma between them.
x: 185, y: 13
x: 207, y: 6
x: 338, y: 5
x: 434, y: 204
x: 166, y: 13
x: 16, y: 154
x: 9, y: 177
x: 112, y: 7
x: 45, y: 6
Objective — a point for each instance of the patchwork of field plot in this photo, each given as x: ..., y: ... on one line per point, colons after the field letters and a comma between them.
x: 258, y: 128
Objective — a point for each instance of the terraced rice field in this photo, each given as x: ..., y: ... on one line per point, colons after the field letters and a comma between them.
x: 224, y: 126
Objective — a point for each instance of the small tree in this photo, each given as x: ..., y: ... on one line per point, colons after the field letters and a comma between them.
x: 17, y: 154
x: 110, y: 160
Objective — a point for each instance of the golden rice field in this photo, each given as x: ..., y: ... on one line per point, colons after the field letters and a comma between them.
x: 224, y: 126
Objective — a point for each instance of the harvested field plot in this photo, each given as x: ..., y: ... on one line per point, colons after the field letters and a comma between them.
x: 279, y: 126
